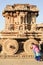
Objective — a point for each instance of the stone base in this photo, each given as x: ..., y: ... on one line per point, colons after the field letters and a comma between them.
x: 16, y: 56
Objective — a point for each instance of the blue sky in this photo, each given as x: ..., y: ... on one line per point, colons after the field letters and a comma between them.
x: 3, y: 3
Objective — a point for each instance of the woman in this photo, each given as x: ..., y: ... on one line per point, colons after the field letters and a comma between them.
x: 36, y: 51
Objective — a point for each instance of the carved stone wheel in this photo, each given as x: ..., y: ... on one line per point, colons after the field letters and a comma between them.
x: 27, y: 45
x: 10, y: 46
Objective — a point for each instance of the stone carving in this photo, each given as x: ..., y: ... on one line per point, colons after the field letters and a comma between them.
x: 20, y: 29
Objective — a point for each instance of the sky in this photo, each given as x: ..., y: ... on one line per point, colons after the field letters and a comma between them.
x: 38, y: 3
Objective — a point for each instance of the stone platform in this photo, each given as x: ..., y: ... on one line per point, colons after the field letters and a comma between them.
x: 17, y: 59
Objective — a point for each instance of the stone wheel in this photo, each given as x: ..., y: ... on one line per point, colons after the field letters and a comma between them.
x: 10, y: 46
x: 27, y: 46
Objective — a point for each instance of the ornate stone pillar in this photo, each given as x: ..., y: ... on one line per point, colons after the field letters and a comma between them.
x: 33, y: 21
x: 23, y: 21
x: 7, y: 22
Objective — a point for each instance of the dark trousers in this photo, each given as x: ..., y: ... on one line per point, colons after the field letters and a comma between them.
x: 38, y: 58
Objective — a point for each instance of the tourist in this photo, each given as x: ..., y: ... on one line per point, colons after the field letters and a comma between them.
x: 36, y: 51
